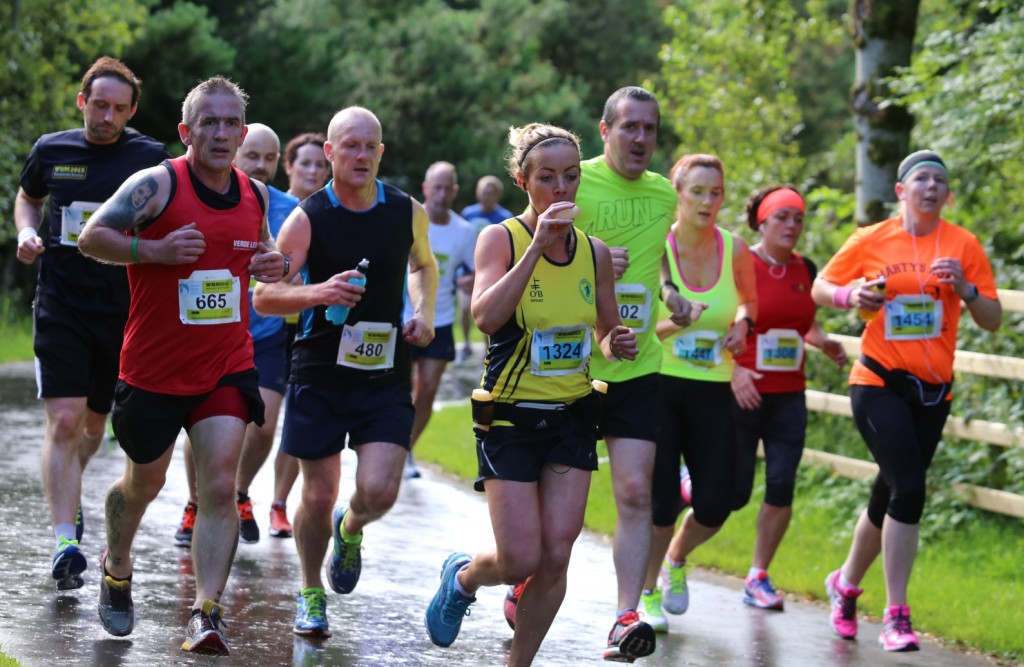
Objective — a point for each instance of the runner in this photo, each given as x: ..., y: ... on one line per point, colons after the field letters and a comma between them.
x: 80, y: 305
x: 768, y: 381
x: 713, y: 268
x: 192, y: 231
x: 542, y: 287
x: 918, y: 269
x: 349, y: 375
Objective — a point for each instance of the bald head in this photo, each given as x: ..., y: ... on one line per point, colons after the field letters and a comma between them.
x: 349, y: 117
x: 259, y: 153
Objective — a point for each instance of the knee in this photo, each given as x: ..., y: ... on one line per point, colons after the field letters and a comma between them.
x: 65, y: 427
x: 633, y: 495
x: 779, y: 495
x: 378, y: 500
x: 143, y: 487
x: 906, y: 504
x: 711, y: 515
x: 517, y: 565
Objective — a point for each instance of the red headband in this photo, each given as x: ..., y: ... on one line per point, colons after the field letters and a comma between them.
x: 781, y: 198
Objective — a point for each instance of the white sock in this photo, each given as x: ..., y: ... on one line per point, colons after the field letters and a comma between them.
x: 65, y: 530
x: 754, y: 572
x: 844, y: 582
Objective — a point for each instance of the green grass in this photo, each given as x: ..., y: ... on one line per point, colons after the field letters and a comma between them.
x: 15, y: 337
x: 966, y: 587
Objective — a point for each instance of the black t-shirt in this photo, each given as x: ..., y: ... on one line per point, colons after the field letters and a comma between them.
x: 69, y: 169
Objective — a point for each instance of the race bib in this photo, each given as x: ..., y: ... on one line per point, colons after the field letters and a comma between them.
x: 560, y: 350
x: 367, y: 346
x: 913, y: 317
x: 700, y: 349
x: 73, y: 218
x: 634, y: 303
x: 210, y: 297
x: 780, y: 350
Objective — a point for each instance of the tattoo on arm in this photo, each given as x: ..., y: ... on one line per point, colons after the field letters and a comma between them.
x: 128, y: 207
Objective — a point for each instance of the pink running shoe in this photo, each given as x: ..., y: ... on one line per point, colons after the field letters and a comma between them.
x: 844, y: 606
x: 511, y: 602
x: 685, y: 487
x: 897, y: 635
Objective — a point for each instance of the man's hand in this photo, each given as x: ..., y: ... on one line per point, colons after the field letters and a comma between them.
x: 182, y: 246
x: 267, y: 265
x: 417, y: 332
x: 30, y: 245
x: 620, y: 261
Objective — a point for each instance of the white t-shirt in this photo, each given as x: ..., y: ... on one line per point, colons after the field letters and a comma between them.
x: 453, y: 246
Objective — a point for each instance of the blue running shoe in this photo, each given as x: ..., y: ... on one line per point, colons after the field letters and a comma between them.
x: 347, y: 562
x: 116, y: 609
x: 311, y: 613
x: 68, y: 561
x: 449, y: 606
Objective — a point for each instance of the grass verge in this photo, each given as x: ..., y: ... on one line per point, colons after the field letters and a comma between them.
x: 966, y: 586
x: 15, y: 335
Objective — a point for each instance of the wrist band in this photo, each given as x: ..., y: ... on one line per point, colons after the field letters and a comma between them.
x: 664, y: 284
x: 841, y: 297
x: 973, y: 296
x: 135, y: 250
x: 26, y: 232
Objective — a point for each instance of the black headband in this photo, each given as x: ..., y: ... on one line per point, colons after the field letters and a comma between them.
x: 918, y: 159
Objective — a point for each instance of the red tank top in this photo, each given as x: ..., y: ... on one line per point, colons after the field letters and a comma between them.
x: 783, y: 303
x: 188, y: 324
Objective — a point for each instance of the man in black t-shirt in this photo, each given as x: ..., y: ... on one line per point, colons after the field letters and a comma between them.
x: 80, y: 305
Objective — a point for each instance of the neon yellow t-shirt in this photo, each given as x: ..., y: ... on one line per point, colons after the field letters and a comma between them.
x: 636, y: 215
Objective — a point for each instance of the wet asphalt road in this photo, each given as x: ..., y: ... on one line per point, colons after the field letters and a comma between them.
x: 381, y: 622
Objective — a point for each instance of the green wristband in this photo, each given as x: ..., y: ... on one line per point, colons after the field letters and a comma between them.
x: 135, y: 250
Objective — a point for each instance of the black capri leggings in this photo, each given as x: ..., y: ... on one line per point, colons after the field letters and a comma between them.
x: 902, y: 438
x: 697, y: 423
x: 781, y: 422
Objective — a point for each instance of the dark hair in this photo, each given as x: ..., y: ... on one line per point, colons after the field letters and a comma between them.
x: 755, y: 201
x: 107, y: 66
x: 611, y: 105
x: 291, y: 150
x: 217, y: 85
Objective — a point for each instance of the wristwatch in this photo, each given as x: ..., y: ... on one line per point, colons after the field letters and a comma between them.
x: 287, y: 265
x: 970, y: 298
x: 664, y: 284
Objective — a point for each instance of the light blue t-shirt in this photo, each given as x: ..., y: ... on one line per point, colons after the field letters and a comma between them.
x: 281, y: 204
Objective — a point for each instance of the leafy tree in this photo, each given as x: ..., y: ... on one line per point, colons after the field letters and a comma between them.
x: 178, y: 47
x: 725, y: 90
x: 883, y: 34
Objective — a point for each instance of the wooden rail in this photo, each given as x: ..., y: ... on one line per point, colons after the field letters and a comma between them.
x: 989, y: 365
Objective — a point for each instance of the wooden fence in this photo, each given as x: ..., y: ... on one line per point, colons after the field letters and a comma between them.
x: 990, y: 365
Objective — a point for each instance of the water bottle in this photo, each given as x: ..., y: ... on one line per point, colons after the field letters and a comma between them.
x: 337, y: 314
x: 868, y: 315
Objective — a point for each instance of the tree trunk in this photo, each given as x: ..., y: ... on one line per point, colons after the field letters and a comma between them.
x: 883, y: 34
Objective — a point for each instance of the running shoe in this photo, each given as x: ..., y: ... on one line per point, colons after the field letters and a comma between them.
x: 311, y: 613
x: 629, y: 639
x: 117, y: 612
x: 759, y: 592
x: 897, y: 633
x: 347, y: 562
x: 279, y: 524
x: 411, y: 471
x: 203, y: 634
x: 675, y: 594
x: 650, y: 610
x: 79, y: 525
x: 511, y: 602
x: 685, y: 487
x: 844, y: 606
x: 68, y: 564
x: 248, y: 530
x: 448, y: 607
x: 183, y: 538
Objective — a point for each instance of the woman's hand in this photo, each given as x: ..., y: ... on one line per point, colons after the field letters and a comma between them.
x: 747, y: 395
x: 835, y: 351
x: 553, y: 226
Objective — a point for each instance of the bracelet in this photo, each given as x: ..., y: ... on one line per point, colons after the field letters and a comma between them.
x: 135, y: 250
x: 25, y: 233
x: 664, y: 284
x: 750, y: 324
x: 841, y: 297
x: 973, y: 296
